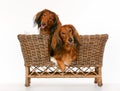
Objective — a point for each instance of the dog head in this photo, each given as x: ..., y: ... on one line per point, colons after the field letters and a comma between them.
x: 67, y: 35
x: 47, y: 21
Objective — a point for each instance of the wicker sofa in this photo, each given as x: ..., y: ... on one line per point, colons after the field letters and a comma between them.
x: 35, y: 50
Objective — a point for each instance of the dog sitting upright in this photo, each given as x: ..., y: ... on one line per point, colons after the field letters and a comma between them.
x: 64, y: 43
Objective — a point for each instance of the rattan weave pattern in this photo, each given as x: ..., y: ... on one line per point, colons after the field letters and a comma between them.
x: 35, y: 49
x: 91, y: 50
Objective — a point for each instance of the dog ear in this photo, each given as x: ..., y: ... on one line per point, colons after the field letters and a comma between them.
x: 75, y: 34
x: 56, y: 42
x: 57, y: 24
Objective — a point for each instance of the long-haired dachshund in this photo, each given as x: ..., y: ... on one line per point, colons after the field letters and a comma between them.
x: 47, y: 21
x: 64, y: 43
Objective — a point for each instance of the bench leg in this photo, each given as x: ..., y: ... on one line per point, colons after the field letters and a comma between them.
x: 100, y: 76
x: 98, y: 80
x: 27, y: 79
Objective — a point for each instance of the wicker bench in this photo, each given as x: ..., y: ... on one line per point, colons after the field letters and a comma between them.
x: 35, y: 49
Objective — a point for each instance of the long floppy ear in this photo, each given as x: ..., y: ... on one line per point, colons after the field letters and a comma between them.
x: 75, y: 34
x: 57, y: 25
x: 56, y: 42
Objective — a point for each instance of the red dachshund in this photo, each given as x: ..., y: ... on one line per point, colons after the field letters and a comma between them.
x: 64, y: 43
x: 48, y: 22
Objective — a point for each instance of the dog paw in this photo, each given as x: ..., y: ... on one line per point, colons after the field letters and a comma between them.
x: 54, y: 60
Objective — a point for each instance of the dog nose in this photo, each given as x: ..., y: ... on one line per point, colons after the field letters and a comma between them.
x: 43, y: 23
x: 70, y: 39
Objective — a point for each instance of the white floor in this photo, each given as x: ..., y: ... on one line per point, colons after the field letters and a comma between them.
x: 59, y: 85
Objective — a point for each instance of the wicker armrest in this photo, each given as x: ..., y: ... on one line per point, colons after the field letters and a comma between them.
x: 90, y: 52
x: 35, y: 49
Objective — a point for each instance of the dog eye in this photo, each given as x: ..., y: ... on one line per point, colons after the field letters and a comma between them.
x: 51, y: 19
x: 62, y: 33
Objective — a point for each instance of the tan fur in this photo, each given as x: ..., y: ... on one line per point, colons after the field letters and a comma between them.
x: 67, y: 52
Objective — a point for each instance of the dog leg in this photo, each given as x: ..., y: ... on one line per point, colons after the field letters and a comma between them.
x: 61, y: 65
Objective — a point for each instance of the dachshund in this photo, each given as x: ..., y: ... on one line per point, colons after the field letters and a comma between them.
x: 64, y: 43
x: 48, y: 22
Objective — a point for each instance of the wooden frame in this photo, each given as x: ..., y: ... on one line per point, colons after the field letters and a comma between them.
x: 96, y: 74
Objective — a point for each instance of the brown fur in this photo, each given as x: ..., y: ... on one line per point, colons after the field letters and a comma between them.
x: 48, y: 22
x: 64, y: 43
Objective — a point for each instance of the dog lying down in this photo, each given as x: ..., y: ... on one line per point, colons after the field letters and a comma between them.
x: 64, y: 44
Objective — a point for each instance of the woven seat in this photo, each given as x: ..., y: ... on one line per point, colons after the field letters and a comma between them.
x: 36, y: 54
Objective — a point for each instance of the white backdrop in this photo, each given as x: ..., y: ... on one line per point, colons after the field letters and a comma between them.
x: 88, y: 16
